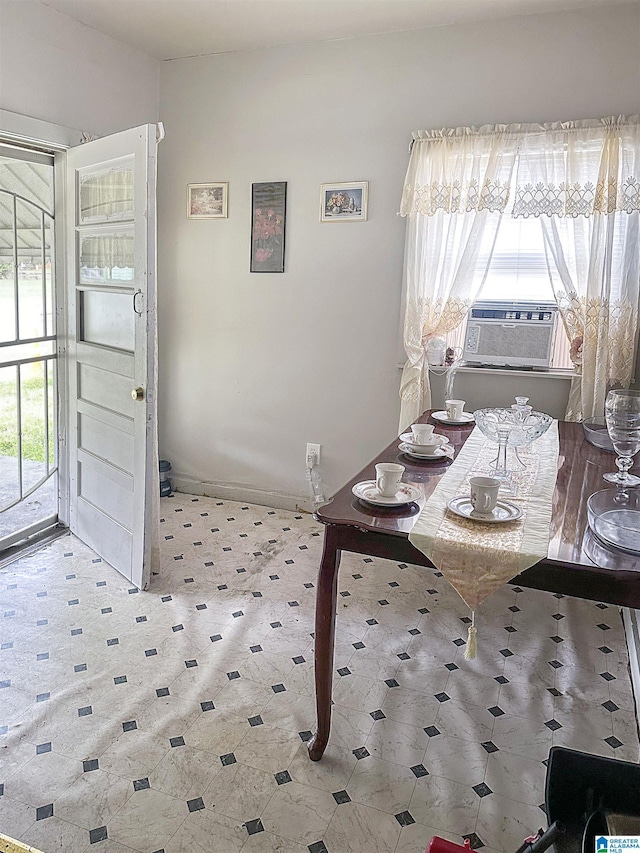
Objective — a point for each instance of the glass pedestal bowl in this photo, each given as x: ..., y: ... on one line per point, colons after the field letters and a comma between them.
x: 520, y: 431
x: 508, y: 428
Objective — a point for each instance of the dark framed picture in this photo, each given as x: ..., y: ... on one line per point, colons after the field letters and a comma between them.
x: 268, y: 215
x: 344, y: 202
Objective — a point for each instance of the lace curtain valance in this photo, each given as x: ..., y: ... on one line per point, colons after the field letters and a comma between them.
x: 459, y: 172
x: 563, y: 169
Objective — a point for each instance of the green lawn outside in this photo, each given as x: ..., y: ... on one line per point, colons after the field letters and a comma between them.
x: 30, y: 308
x: 33, y: 425
x: 32, y: 376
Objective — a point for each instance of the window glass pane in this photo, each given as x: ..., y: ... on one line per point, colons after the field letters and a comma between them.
x: 518, y: 270
x: 33, y: 181
x: 49, y: 260
x: 10, y: 489
x: 37, y: 349
x: 519, y: 273
x: 30, y: 271
x: 107, y: 258
x: 32, y: 416
x: 40, y: 504
x: 8, y: 330
x: 50, y: 372
x: 107, y: 194
x: 107, y: 319
x: 7, y: 300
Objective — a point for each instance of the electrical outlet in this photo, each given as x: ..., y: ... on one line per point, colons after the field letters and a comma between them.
x: 313, y: 455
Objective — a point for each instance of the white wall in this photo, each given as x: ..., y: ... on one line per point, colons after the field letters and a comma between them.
x: 254, y: 366
x: 480, y: 388
x: 57, y: 70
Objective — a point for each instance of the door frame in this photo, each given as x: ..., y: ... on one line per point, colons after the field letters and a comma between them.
x: 26, y: 132
x: 62, y: 333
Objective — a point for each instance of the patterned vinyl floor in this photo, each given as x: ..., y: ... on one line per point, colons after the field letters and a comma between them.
x: 175, y: 719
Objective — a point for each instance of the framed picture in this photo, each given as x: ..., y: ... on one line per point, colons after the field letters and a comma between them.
x: 344, y: 202
x: 268, y: 213
x: 207, y: 201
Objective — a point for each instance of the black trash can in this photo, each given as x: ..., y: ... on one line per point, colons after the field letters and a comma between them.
x: 165, y: 482
x: 581, y: 786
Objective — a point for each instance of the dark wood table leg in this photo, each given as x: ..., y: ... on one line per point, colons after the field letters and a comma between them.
x: 324, y: 639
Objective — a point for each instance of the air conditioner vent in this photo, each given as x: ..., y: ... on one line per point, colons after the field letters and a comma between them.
x: 510, y: 334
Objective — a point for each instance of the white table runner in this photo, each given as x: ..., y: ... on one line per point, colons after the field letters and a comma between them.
x: 478, y: 558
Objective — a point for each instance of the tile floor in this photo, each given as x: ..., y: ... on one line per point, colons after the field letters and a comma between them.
x: 175, y: 720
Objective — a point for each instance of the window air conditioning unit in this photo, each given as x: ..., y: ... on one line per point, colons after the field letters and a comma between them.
x: 510, y: 334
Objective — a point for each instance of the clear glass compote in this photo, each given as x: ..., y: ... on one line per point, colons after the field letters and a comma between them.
x: 514, y: 427
x: 622, y: 413
x: 521, y: 410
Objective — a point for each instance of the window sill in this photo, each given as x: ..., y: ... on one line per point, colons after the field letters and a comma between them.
x: 552, y: 373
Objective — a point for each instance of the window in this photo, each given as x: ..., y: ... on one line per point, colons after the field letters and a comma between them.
x: 519, y: 272
x: 518, y: 269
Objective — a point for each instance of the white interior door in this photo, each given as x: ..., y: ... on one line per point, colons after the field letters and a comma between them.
x: 111, y: 275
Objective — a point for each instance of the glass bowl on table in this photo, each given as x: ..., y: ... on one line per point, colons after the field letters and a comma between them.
x: 595, y: 431
x: 614, y: 517
x: 521, y: 430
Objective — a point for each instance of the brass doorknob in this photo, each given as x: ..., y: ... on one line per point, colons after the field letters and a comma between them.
x: 137, y: 394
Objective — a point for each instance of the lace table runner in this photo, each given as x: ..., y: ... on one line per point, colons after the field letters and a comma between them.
x: 478, y: 558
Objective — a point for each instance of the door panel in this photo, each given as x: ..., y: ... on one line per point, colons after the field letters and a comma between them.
x: 112, y: 317
x: 104, y: 441
x: 103, y: 388
x: 111, y: 540
x: 106, y: 487
x: 120, y: 362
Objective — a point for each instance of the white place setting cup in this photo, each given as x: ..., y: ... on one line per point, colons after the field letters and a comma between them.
x: 422, y: 433
x: 484, y: 494
x: 388, y: 477
x: 454, y: 409
x: 431, y: 445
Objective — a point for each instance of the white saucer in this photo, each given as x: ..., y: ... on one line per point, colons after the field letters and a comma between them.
x: 407, y: 438
x: 466, y: 418
x: 504, y: 511
x: 444, y: 450
x: 366, y: 491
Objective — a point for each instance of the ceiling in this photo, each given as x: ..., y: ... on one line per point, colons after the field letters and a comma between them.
x: 172, y: 29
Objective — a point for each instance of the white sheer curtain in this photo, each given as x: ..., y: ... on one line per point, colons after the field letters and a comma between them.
x: 456, y: 189
x: 582, y: 179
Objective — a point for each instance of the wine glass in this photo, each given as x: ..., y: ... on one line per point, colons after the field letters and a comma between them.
x: 622, y: 412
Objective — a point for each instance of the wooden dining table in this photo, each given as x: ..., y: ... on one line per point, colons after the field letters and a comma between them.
x: 577, y: 563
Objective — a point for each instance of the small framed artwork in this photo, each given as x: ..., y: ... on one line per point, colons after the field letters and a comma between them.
x: 268, y: 215
x: 207, y: 201
x: 344, y: 202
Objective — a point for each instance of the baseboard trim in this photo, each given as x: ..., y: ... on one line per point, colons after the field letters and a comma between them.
x: 232, y: 492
